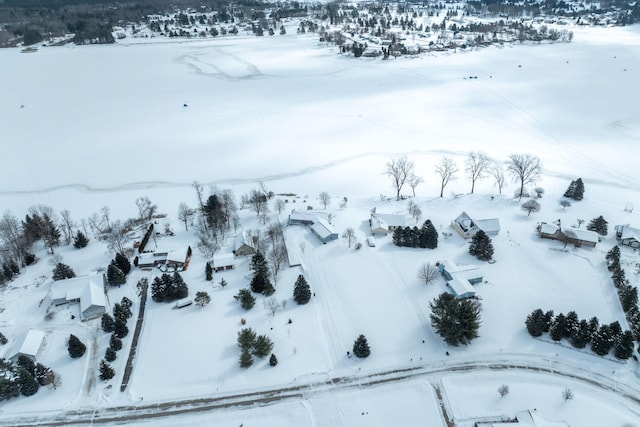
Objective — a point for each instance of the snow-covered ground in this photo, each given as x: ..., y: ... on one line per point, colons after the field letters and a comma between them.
x: 85, y: 127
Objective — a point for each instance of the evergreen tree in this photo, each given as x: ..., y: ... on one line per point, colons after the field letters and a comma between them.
x: 126, y: 303
x: 247, y: 301
x: 396, y: 238
x: 548, y: 320
x: 570, y: 190
x: 575, y: 190
x: 618, y: 276
x: 594, y: 325
x: 428, y: 235
x: 202, y: 299
x: 602, y: 340
x: 273, y: 360
x: 179, y: 287
x: 481, y: 246
x: 260, y: 270
x: 62, y: 271
x: 301, y: 290
x: 3, y: 339
x: 613, y: 258
x: 208, y: 271
x: 223, y: 283
x: 115, y: 343
x: 571, y: 324
x: 145, y: 239
x: 115, y: 276
x: 106, y: 371
x: 122, y: 312
x: 581, y: 336
x: 76, y: 347
x: 28, y: 384
x: 361, y: 347
x: 578, y: 192
x: 262, y: 346
x: 120, y: 328
x: 558, y: 327
x: 27, y: 364
x: 623, y: 348
x: 123, y: 263
x: 457, y: 321
x: 110, y: 354
x: 246, y: 359
x: 246, y: 339
x: 7, y: 272
x: 599, y: 225
x: 9, y: 384
x: 535, y: 323
x: 80, y: 241
x: 628, y: 297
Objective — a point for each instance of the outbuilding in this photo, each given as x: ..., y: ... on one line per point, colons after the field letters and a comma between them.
x: 31, y: 346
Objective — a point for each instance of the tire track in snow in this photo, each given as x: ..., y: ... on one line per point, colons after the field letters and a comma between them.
x: 432, y: 371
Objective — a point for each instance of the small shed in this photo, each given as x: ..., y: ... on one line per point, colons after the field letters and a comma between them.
x: 224, y: 261
x: 628, y: 236
x: 30, y: 345
x: 244, y: 244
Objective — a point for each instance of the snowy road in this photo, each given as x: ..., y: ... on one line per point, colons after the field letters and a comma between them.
x: 432, y: 372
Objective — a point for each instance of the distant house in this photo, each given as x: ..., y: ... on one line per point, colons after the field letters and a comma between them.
x: 628, y: 236
x: 176, y: 259
x: 468, y: 227
x: 244, y: 244
x: 88, y: 291
x: 522, y: 419
x: 460, y: 278
x: 31, y: 345
x: 318, y: 222
x: 383, y: 224
x: 575, y: 236
x: 224, y: 261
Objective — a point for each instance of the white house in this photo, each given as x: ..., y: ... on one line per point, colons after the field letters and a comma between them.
x: 460, y: 278
x: 88, y: 291
x: 318, y: 222
x: 467, y: 227
x: 177, y: 259
x: 628, y: 236
x: 382, y: 224
x: 31, y: 345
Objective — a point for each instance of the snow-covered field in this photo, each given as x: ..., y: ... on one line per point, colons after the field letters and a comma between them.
x: 85, y: 127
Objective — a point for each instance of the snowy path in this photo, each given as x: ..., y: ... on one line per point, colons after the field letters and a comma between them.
x: 432, y: 371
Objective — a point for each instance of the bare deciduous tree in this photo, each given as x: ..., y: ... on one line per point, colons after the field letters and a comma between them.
x: 117, y: 237
x: 95, y: 223
x: 415, y: 211
x: 66, y: 225
x: 567, y: 394
x: 279, y: 205
x: 12, y: 238
x: 428, y: 272
x: 503, y: 390
x: 414, y: 181
x: 207, y: 239
x: 105, y: 213
x: 272, y: 305
x: 476, y: 166
x: 325, y: 199
x: 447, y: 170
x: 185, y: 214
x: 146, y: 208
x: 530, y: 206
x: 565, y: 203
x: 199, y: 193
x: 525, y: 169
x: 349, y: 235
x: 257, y: 200
x: 496, y: 170
x: 399, y: 170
